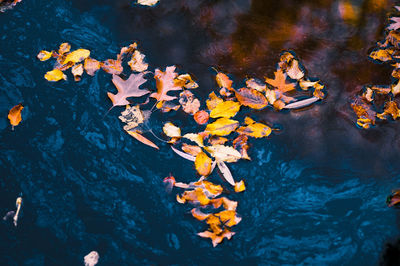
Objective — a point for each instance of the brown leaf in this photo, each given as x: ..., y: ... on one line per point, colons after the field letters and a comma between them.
x: 127, y: 88
x: 112, y: 66
x: 15, y: 115
x: 165, y: 83
x: 189, y: 103
x: 223, y: 81
x: 279, y: 82
x: 251, y: 98
x: 201, y: 117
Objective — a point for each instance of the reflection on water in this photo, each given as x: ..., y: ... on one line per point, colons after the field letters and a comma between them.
x: 315, y: 193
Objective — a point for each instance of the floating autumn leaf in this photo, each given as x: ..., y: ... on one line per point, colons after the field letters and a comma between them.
x: 137, y: 62
x: 253, y: 129
x: 203, y: 164
x: 64, y: 48
x: 213, y: 101
x: 395, y: 88
x: 291, y: 66
x: 5, y: 5
x: 185, y: 80
x: 91, y: 66
x: 393, y: 199
x: 199, y: 215
x: 165, y: 83
x: 77, y: 71
x: 256, y: 85
x: 223, y: 81
x: 189, y: 103
x: 251, y: 98
x: 76, y: 56
x: 383, y: 55
x: 55, y: 75
x: 127, y: 50
x: 216, y: 238
x: 226, y: 173
x: 393, y: 38
x: 196, y: 196
x: 167, y: 106
x: 132, y: 116
x: 395, y: 23
x: 14, y: 115
x: 222, y: 127
x: 112, y: 66
x: 44, y: 55
x: 226, y: 109
x: 240, y: 144
x: 147, y: 2
x: 301, y: 103
x: 239, y: 186
x: 215, y: 140
x: 197, y: 138
x: 366, y: 116
x: 229, y: 217
x: 201, y: 117
x: 279, y: 82
x: 184, y: 154
x: 391, y: 109
x: 191, y: 149
x: 171, y: 130
x: 224, y: 153
x: 138, y: 136
x: 127, y: 88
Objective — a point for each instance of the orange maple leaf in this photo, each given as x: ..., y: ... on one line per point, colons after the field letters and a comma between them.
x: 279, y: 82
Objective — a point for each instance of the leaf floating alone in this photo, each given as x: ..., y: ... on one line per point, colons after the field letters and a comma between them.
x: 226, y: 109
x: 138, y: 136
x: 203, y: 164
x: 127, y: 88
x: 222, y: 127
x: 44, y: 55
x: 14, y: 115
x: 55, y: 75
x: 301, y: 103
x: 251, y: 98
x: 91, y: 259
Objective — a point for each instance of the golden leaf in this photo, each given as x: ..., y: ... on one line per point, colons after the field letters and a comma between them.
x: 213, y: 101
x: 198, y: 139
x: 223, y: 81
x: 55, y: 75
x: 253, y: 129
x: 44, y: 55
x: 251, y: 98
x: 224, y: 153
x: 203, y: 164
x: 76, y: 56
x: 222, y: 127
x: 14, y: 115
x: 225, y: 109
x: 239, y: 186
x: 392, y: 109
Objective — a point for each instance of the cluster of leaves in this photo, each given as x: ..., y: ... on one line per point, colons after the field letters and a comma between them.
x: 8, y: 4
x: 382, y: 101
x: 222, y: 138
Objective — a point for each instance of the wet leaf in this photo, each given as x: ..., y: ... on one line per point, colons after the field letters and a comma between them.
x: 138, y: 136
x: 64, y: 48
x: 165, y: 83
x: 251, y: 98
x: 76, y: 56
x: 395, y: 88
x: 55, y: 75
x: 395, y: 23
x: 239, y: 186
x: 184, y: 155
x: 147, y: 2
x: 256, y: 85
x: 383, y: 55
x: 44, y: 55
x: 137, y: 63
x: 215, y: 140
x: 291, y: 66
x: 223, y: 81
x: 301, y: 103
x: 240, y: 144
x: 253, y: 129
x: 222, y: 127
x: 91, y: 66
x: 112, y: 66
x: 201, y: 117
x: 191, y: 149
x: 203, y: 164
x: 391, y: 109
x: 14, y: 115
x: 127, y: 88
x: 393, y: 199
x: 226, y: 109
x: 228, y: 217
x: 213, y: 101
x: 189, y: 103
x: 226, y: 173
x: 171, y: 130
x: 199, y: 215
x: 279, y: 82
x: 186, y: 81
x: 77, y: 71
x: 216, y: 238
x: 198, y: 139
x: 366, y: 116
x: 224, y: 153
x: 132, y: 116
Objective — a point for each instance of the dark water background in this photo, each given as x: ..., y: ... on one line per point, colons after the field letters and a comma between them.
x: 315, y: 192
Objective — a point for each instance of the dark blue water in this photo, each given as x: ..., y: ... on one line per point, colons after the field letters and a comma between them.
x: 315, y: 192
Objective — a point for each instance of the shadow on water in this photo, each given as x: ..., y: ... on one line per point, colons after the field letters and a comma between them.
x: 315, y: 192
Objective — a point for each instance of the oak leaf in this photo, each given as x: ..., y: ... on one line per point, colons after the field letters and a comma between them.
x: 395, y: 23
x: 127, y: 88
x: 165, y: 83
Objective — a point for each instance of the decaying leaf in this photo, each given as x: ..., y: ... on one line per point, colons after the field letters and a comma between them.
x: 137, y: 63
x: 138, y: 136
x: 223, y: 81
x: 240, y: 144
x: 251, y: 98
x: 201, y: 117
x: 112, y: 66
x: 76, y: 56
x: 224, y: 153
x: 55, y: 75
x: 189, y: 103
x: 291, y: 66
x: 44, y: 55
x: 366, y: 116
x: 391, y: 109
x: 222, y: 127
x: 186, y: 81
x: 239, y: 186
x: 14, y: 115
x: 383, y: 55
x: 132, y: 116
x: 226, y: 109
x: 127, y: 88
x: 279, y: 82
x: 203, y: 164
x: 91, y: 66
